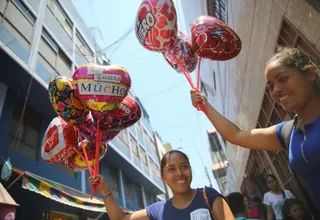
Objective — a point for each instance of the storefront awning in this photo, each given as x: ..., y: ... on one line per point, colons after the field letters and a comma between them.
x: 60, y: 193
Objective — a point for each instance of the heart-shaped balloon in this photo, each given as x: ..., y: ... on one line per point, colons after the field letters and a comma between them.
x: 213, y: 39
x: 89, y: 131
x: 66, y: 103
x: 76, y: 163
x: 125, y: 115
x: 101, y: 88
x: 182, y: 53
x: 59, y: 142
x: 156, y: 25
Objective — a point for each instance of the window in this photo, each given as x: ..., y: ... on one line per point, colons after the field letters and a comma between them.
x: 139, y: 197
x: 134, y: 146
x: 46, y: 36
x: 128, y: 187
x: 60, y: 15
x: 25, y: 11
x: 203, y: 89
x: 50, y: 51
x: 114, y: 181
x: 30, y: 131
x: 143, y: 156
x: 149, y: 198
x: 138, y: 126
x: 146, y: 136
x: 123, y: 136
x: 82, y: 46
x: 152, y: 144
x: 216, y: 8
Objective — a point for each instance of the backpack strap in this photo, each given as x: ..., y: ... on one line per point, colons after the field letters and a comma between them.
x: 286, y: 132
x: 283, y: 194
x: 204, y: 192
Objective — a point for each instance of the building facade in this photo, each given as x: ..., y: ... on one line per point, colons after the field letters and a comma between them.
x: 220, y: 163
x: 237, y: 88
x: 162, y: 149
x: 40, y: 39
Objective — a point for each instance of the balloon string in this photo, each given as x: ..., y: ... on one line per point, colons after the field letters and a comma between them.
x: 198, y: 73
x: 98, y: 138
x: 200, y: 105
x: 85, y: 153
x: 198, y: 80
x: 96, y: 161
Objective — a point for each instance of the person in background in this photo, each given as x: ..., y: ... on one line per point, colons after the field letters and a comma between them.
x: 274, y: 199
x: 292, y: 210
x: 186, y: 203
x: 256, y: 202
x: 253, y: 207
x: 236, y: 203
x: 293, y: 80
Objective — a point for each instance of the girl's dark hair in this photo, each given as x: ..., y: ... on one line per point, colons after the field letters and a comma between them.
x: 288, y: 203
x: 167, y: 155
x: 273, y: 177
x: 235, y: 201
x: 297, y: 59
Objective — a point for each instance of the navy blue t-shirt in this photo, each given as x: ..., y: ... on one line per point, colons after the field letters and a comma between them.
x: 308, y: 171
x: 197, y: 210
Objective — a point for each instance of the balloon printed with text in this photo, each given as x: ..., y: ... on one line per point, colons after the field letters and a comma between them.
x: 59, y: 142
x: 156, y: 25
x: 101, y: 88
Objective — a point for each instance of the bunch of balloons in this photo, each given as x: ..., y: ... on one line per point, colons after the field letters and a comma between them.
x: 92, y: 109
x: 156, y: 30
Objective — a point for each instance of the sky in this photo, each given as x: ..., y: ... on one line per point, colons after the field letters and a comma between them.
x: 163, y: 92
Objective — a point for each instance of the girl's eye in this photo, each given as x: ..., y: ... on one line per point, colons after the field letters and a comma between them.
x: 284, y: 79
x: 185, y: 167
x: 171, y: 169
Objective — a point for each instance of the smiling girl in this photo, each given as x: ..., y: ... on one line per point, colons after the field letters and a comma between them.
x: 186, y: 203
x: 293, y: 80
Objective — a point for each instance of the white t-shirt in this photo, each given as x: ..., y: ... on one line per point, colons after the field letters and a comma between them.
x: 276, y: 202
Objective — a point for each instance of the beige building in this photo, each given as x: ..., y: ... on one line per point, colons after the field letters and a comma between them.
x: 237, y: 88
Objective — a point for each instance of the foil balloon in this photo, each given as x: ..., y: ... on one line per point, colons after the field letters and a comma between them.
x: 182, y: 53
x: 59, y: 142
x: 66, y: 103
x: 213, y: 39
x: 76, y: 162
x: 156, y: 25
x: 125, y: 115
x: 90, y: 133
x: 101, y: 88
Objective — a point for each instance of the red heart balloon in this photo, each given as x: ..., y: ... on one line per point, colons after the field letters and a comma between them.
x: 59, y: 142
x: 125, y: 115
x: 156, y: 24
x: 213, y: 39
x: 182, y: 53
